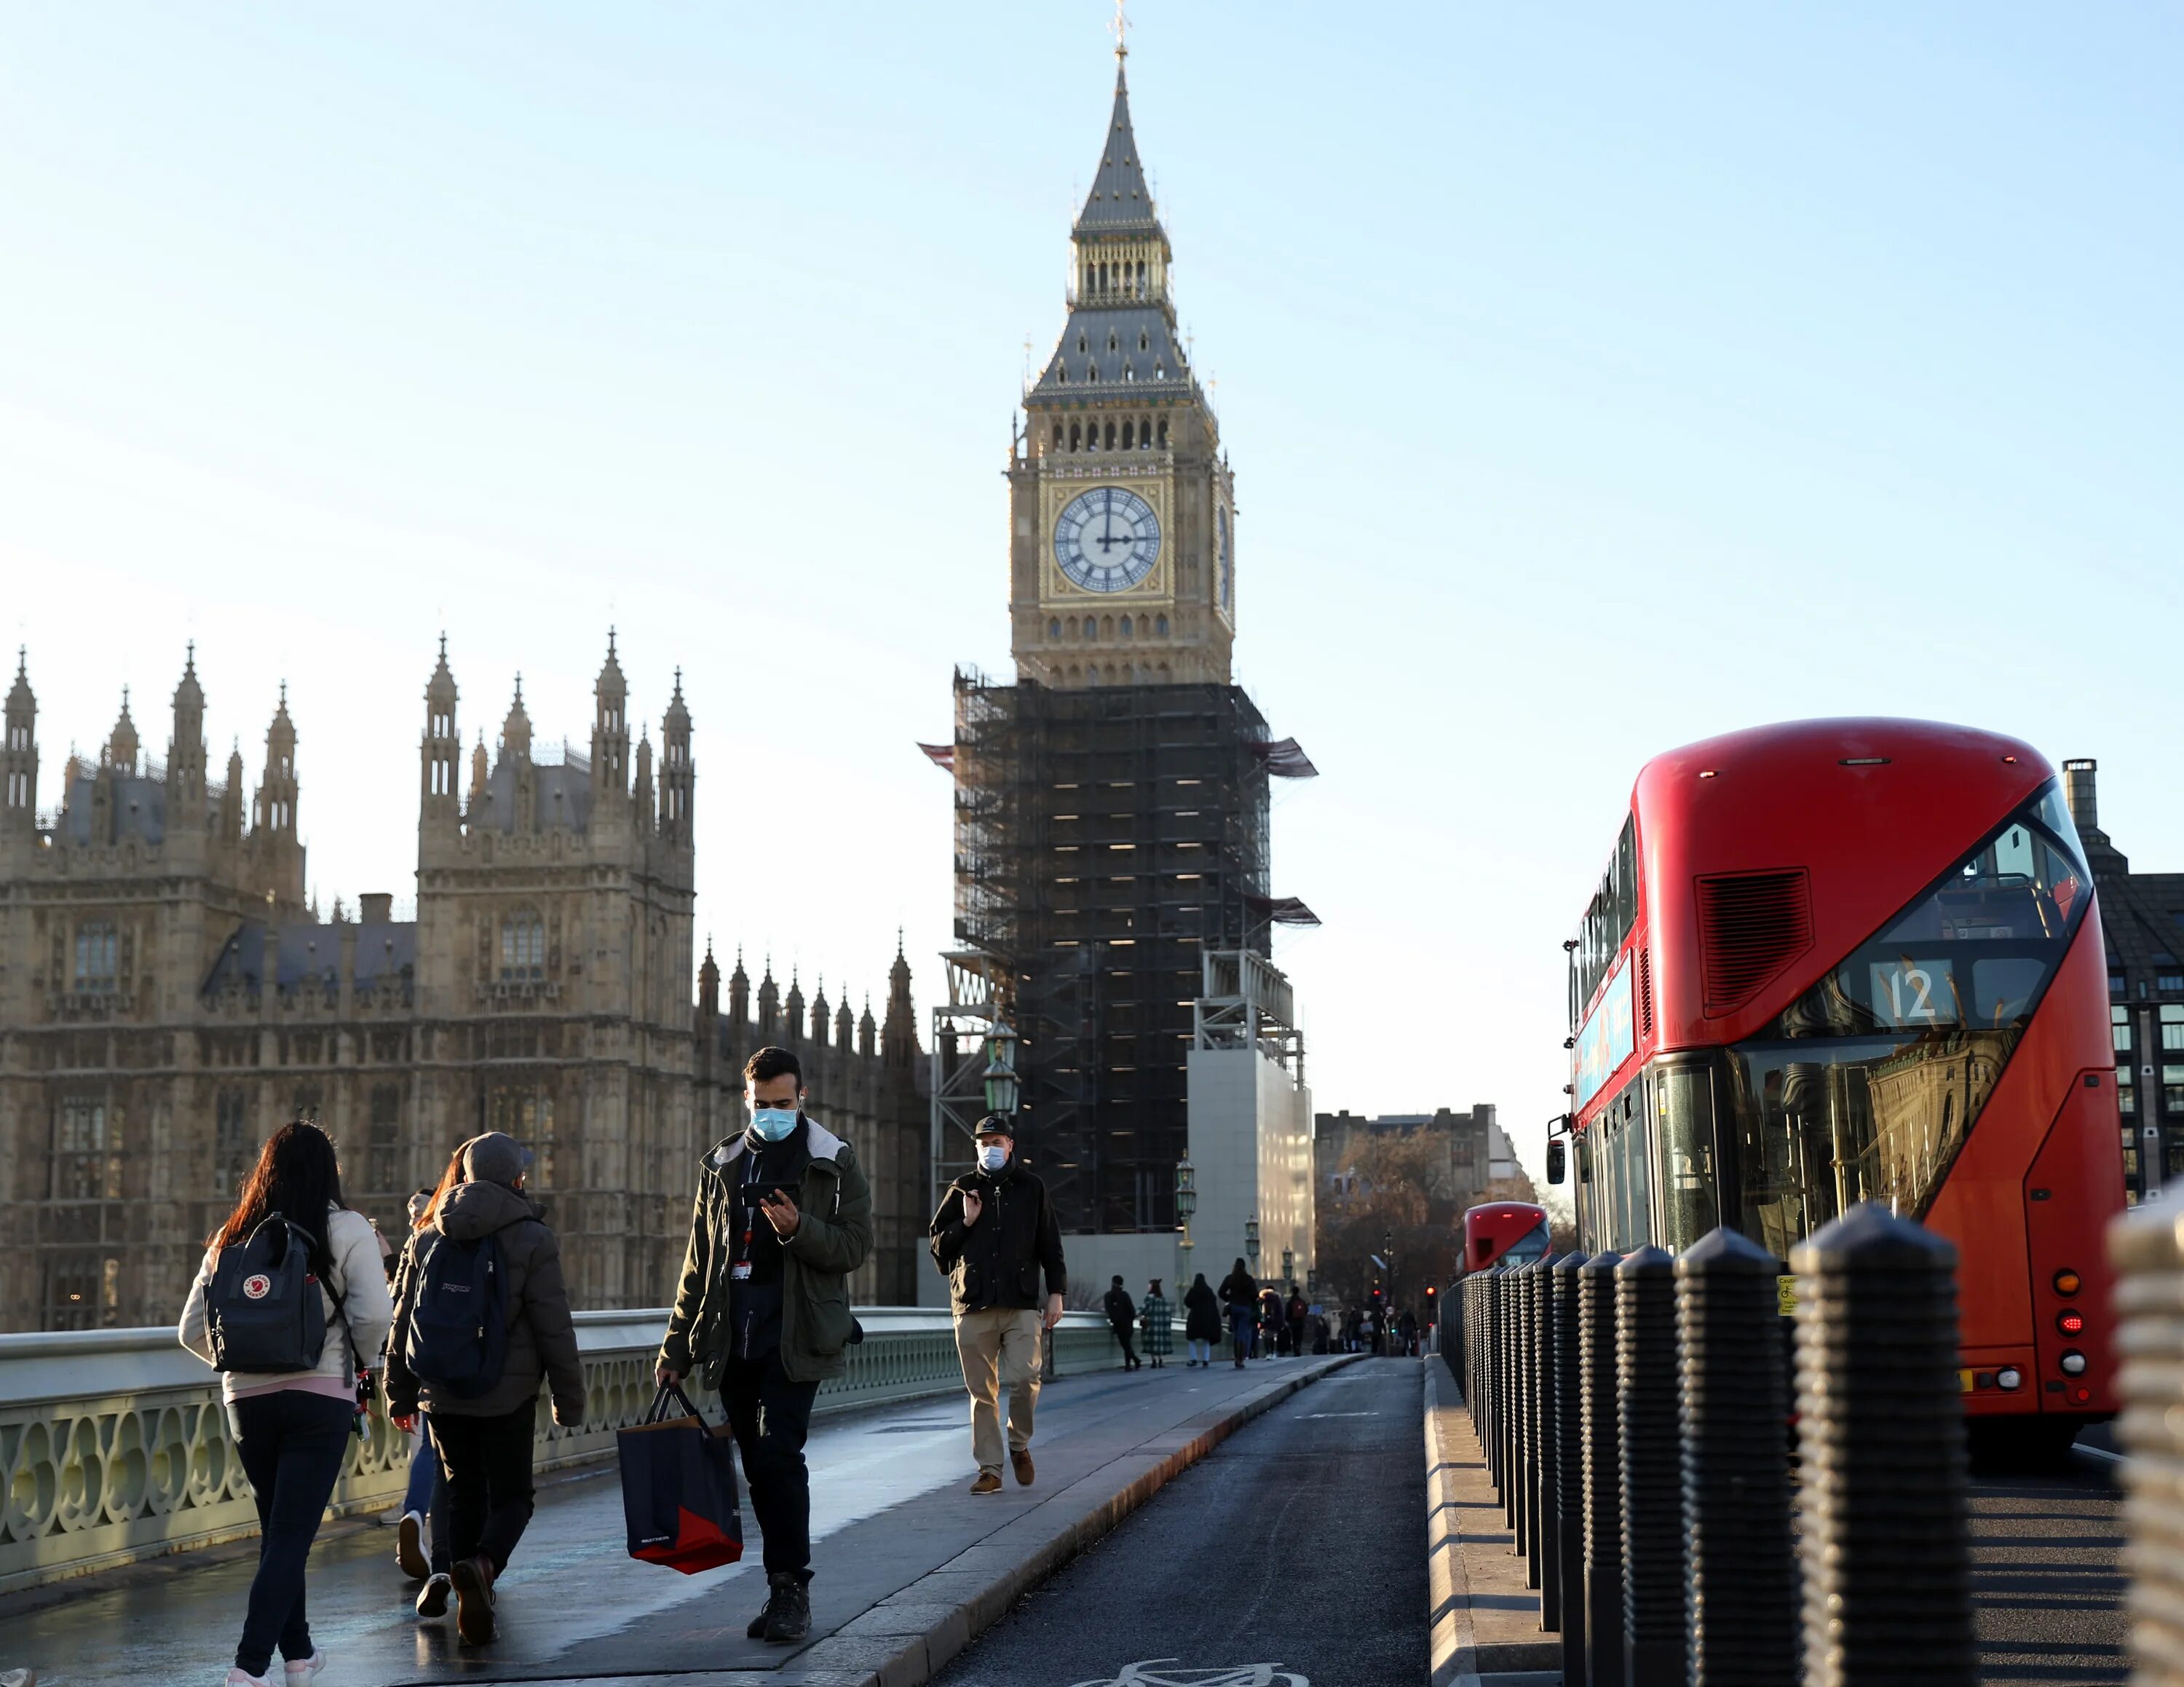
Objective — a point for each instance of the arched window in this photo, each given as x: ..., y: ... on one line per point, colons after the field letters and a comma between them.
x: 1082, y: 344
x: 1091, y: 627
x: 1126, y: 436
x: 1145, y: 340
x: 1145, y: 434
x: 1058, y: 435
x: 1091, y: 372
x: 1113, y: 343
x: 1054, y: 630
x: 1163, y: 433
x: 1141, y: 278
x: 1159, y: 626
x: 522, y: 945
x: 1128, y: 629
x: 1111, y: 436
x: 1107, y: 627
x: 1074, y: 436
x: 1129, y: 371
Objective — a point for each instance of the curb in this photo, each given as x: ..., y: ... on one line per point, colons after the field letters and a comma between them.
x: 910, y: 1636
x: 1456, y: 1655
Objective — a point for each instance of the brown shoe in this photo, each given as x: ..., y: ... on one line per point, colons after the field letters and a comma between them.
x: 473, y: 1579
x: 988, y: 1482
x: 1021, y: 1458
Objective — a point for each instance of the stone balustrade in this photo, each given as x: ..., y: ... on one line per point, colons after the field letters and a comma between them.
x: 115, y: 1444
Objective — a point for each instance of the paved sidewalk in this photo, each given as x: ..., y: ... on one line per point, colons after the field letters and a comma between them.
x: 909, y: 1565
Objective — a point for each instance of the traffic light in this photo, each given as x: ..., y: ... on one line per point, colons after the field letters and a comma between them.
x: 1433, y: 1297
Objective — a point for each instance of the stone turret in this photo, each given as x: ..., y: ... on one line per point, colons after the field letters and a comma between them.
x: 609, y: 743
x: 277, y: 850
x: 820, y: 1016
x: 795, y: 1017
x: 19, y: 755
x: 899, y: 1034
x: 769, y: 1006
x: 739, y: 994
x: 678, y: 778
x: 845, y: 1026
x: 440, y: 806
x: 186, y: 751
x: 121, y: 747
x: 708, y: 991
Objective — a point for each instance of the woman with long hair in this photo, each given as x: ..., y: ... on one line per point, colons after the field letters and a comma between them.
x: 1239, y: 1293
x: 1201, y: 1326
x: 424, y: 1513
x: 292, y: 1426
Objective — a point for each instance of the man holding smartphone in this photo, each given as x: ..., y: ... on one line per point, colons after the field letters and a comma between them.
x: 783, y: 1216
x: 995, y: 1236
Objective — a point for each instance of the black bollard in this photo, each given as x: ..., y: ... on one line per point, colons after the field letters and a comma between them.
x: 1505, y: 1417
x: 1603, y: 1485
x: 1545, y: 1502
x: 1570, y: 1465
x: 1494, y: 1376
x: 1883, y: 1540
x: 1650, y: 1469
x: 1528, y: 1499
x: 1741, y: 1604
x: 1520, y: 1407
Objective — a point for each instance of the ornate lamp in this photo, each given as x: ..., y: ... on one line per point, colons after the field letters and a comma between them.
x: 1252, y: 1242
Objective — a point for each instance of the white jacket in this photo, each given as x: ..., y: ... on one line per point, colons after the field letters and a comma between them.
x: 358, y: 1321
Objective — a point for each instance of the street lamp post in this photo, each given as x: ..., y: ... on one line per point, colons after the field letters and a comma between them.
x: 1252, y: 1242
x: 1186, y: 1203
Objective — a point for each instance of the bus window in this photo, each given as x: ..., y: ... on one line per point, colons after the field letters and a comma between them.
x: 1684, y: 1126
x: 1865, y: 1088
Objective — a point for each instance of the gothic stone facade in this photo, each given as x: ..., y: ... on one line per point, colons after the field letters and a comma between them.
x: 168, y: 998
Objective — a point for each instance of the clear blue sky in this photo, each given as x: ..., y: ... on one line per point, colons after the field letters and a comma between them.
x: 1595, y: 380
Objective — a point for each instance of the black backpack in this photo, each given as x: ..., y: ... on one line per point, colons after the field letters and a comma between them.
x: 262, y: 1307
x: 458, y: 1335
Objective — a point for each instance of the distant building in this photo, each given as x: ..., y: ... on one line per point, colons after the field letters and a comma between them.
x: 1476, y: 1152
x: 2143, y: 919
x: 168, y: 998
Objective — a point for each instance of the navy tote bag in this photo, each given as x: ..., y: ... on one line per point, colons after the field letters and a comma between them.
x: 678, y: 1488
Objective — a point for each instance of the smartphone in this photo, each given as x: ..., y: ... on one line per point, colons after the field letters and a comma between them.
x: 750, y: 1194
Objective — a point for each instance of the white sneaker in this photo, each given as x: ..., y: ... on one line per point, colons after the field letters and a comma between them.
x: 302, y: 1672
x: 239, y: 1677
x: 410, y: 1546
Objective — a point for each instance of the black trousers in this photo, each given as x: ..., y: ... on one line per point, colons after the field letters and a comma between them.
x: 293, y: 1444
x: 1129, y: 1353
x: 771, y: 1416
x: 485, y: 1467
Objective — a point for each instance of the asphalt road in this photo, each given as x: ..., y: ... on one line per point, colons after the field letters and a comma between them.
x: 2047, y: 1581
x: 1293, y: 1556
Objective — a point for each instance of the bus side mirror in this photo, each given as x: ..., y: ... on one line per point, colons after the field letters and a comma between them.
x: 1557, y: 1160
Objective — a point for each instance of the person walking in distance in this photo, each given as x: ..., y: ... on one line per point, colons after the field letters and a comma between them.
x: 481, y: 1324
x: 291, y: 1292
x: 783, y: 1214
x: 1297, y: 1311
x: 1122, y: 1313
x: 1239, y: 1294
x: 1157, y: 1319
x: 995, y: 1236
x: 1201, y: 1321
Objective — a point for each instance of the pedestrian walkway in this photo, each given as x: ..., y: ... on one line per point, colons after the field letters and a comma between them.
x: 906, y: 1560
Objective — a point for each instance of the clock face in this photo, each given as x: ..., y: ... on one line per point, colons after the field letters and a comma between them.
x: 1221, y: 532
x: 1106, y: 539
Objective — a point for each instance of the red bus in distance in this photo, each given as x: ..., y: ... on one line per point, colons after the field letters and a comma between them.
x: 1859, y: 960
x: 1514, y: 1230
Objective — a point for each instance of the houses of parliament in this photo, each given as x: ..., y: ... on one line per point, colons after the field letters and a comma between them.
x: 168, y: 998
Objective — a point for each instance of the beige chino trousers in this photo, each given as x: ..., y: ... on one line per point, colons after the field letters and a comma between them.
x: 999, y: 1348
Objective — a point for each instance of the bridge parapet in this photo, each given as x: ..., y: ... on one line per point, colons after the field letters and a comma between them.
x: 114, y: 1445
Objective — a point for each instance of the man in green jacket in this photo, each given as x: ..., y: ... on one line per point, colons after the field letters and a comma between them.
x: 783, y: 1216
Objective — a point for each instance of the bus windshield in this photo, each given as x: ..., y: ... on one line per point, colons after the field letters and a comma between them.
x: 1865, y: 1087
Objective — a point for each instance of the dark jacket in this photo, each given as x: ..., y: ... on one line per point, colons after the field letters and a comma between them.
x: 998, y: 1260
x: 1240, y: 1289
x: 1121, y: 1311
x: 1202, y: 1313
x: 833, y: 1237
x: 542, y: 1341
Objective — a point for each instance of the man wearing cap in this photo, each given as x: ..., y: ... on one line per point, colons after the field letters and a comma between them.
x: 995, y: 1237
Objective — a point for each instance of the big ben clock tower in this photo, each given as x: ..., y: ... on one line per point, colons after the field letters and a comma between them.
x: 1122, y: 510
x: 1112, y: 811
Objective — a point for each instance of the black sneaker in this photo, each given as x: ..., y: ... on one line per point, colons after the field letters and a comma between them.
x: 788, y: 1612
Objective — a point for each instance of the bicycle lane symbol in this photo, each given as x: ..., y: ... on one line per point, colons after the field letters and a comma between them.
x: 1162, y: 1672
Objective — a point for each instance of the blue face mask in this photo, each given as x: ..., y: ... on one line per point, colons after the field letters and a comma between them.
x: 993, y: 1156
x: 772, y: 1124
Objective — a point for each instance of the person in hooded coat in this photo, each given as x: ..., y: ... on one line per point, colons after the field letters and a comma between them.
x: 1201, y: 1326
x: 484, y: 1440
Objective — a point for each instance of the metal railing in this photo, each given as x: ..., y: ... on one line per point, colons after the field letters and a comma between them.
x: 115, y: 1444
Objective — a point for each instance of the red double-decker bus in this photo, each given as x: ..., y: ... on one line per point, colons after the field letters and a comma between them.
x: 1842, y: 960
x: 1514, y: 1230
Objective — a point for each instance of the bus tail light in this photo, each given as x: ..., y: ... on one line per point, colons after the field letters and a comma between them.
x: 2068, y: 1282
x: 2073, y: 1363
x: 2070, y: 1320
